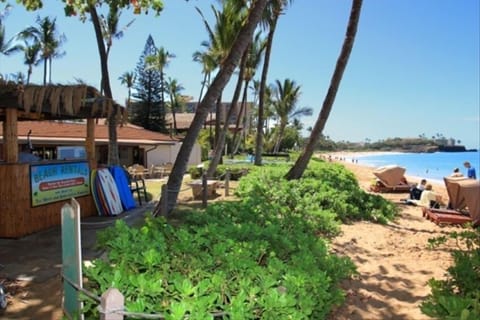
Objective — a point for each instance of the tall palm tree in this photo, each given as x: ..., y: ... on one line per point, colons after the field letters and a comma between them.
x: 301, y: 164
x: 109, y: 27
x: 221, y: 79
x: 255, y: 51
x: 221, y: 37
x: 208, y: 66
x: 271, y: 16
x: 46, y: 34
x: 174, y: 89
x: 235, y: 21
x: 285, y: 104
x: 159, y: 62
x: 9, y: 46
x: 31, y: 57
x: 128, y: 79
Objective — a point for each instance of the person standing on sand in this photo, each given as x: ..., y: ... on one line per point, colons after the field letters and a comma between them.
x: 471, y: 174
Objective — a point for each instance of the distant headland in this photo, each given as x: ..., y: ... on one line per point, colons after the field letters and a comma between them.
x: 422, y: 144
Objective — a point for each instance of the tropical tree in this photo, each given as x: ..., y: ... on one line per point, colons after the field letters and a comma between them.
x: 109, y: 28
x: 31, y: 57
x: 285, y: 104
x: 159, y: 61
x: 174, y: 89
x: 128, y: 79
x: 235, y: 21
x: 221, y: 79
x: 46, y: 35
x: 208, y: 66
x: 270, y: 19
x: 255, y: 50
x: 301, y: 164
x: 10, y: 46
x: 221, y: 37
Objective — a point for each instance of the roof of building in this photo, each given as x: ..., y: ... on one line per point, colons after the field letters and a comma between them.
x: 57, y: 131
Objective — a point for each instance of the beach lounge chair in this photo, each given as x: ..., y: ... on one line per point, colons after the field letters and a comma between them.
x: 464, y: 196
x: 390, y: 179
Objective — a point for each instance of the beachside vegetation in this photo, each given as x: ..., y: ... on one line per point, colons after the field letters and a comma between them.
x: 457, y: 296
x: 264, y: 256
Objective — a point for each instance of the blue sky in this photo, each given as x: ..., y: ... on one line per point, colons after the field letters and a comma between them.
x: 414, y: 68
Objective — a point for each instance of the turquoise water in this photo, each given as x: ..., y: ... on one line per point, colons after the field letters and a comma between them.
x: 432, y: 166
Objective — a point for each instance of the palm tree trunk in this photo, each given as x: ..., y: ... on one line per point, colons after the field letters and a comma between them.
x: 201, y: 94
x: 261, y: 101
x: 50, y: 70
x: 29, y: 73
x: 237, y: 140
x: 301, y: 164
x: 45, y: 71
x: 218, y: 120
x: 221, y: 79
x: 281, y: 130
x: 113, y: 158
x: 218, y: 152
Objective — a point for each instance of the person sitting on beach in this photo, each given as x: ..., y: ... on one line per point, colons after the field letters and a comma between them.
x: 416, y: 191
x: 428, y: 199
x: 470, y: 170
x: 456, y: 173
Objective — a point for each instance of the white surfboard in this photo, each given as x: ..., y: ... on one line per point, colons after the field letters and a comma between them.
x: 109, y: 187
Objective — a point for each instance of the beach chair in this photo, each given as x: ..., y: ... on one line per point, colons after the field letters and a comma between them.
x: 464, y: 203
x: 390, y: 179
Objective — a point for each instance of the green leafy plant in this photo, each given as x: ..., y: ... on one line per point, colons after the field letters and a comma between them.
x: 264, y: 256
x: 458, y: 296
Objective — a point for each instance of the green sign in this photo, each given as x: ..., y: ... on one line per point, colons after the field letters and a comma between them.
x: 71, y: 260
x: 59, y: 181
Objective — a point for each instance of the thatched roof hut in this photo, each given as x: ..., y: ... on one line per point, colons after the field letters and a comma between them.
x: 54, y: 102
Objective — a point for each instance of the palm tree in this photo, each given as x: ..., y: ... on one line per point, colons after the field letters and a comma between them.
x: 285, y: 104
x: 271, y: 16
x: 221, y: 37
x: 128, y: 79
x: 255, y: 50
x: 46, y: 35
x: 109, y: 27
x: 221, y: 79
x: 235, y: 21
x: 174, y: 88
x: 159, y: 62
x: 31, y: 57
x: 301, y: 164
x: 208, y: 65
x: 7, y: 47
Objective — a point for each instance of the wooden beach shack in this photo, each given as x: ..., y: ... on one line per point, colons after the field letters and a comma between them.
x: 32, y: 193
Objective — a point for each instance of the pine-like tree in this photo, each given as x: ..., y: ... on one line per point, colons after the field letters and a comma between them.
x: 146, y: 109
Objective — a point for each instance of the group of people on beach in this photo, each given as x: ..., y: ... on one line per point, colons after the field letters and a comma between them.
x: 422, y: 194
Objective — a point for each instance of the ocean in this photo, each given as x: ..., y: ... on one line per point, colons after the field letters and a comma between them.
x: 431, y: 166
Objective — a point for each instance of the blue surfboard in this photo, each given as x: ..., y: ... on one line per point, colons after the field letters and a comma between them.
x: 124, y: 191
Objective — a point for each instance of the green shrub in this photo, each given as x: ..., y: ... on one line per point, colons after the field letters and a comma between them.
x: 261, y: 257
x: 457, y: 297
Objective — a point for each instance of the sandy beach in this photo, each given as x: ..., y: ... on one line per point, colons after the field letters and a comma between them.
x: 393, y: 260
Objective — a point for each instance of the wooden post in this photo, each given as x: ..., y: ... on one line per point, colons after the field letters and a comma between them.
x: 90, y: 143
x: 164, y: 200
x: 227, y: 183
x: 112, y: 300
x: 204, y: 190
x: 10, y: 134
